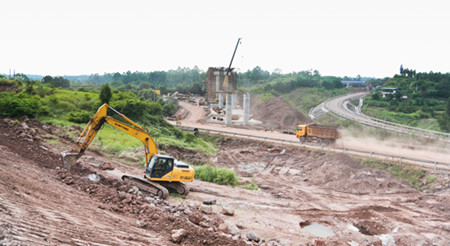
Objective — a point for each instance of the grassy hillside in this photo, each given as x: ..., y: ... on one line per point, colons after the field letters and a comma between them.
x: 420, y: 100
x: 67, y: 108
x: 304, y: 99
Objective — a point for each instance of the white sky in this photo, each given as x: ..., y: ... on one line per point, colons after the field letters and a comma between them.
x: 345, y: 37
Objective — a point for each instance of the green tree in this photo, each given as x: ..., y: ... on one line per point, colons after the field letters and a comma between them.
x: 196, y: 89
x: 105, y: 93
x: 448, y: 107
x: 169, y: 109
x: 60, y: 82
x: 47, y: 80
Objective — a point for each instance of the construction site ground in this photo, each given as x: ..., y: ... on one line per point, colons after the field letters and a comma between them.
x: 43, y: 204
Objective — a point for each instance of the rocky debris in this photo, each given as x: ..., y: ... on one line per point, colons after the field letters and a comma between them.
x: 342, y: 173
x: 232, y: 228
x: 224, y: 228
x: 106, y: 166
x: 205, y: 209
x: 195, y: 217
x: 209, y: 202
x: 319, y: 243
x: 274, y: 242
x: 123, y: 188
x: 178, y: 235
x: 252, y: 236
x: 227, y: 211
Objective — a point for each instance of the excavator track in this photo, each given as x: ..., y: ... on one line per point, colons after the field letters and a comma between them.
x: 178, y: 187
x: 147, y: 186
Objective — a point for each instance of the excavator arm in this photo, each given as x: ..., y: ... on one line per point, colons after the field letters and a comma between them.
x: 94, y: 125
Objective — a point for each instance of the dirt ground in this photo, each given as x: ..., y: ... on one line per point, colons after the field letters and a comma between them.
x: 277, y: 112
x: 43, y: 204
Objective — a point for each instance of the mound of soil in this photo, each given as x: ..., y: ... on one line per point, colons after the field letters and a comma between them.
x: 276, y: 111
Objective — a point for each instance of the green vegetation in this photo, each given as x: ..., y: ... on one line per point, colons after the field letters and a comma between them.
x: 302, y: 90
x: 82, y: 116
x: 431, y: 179
x: 105, y: 93
x: 408, y: 173
x: 305, y: 98
x: 65, y: 107
x: 420, y: 100
x: 21, y: 104
x: 251, y: 186
x: 53, y: 142
x: 222, y: 176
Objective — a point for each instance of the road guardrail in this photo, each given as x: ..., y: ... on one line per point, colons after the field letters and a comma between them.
x: 436, y: 164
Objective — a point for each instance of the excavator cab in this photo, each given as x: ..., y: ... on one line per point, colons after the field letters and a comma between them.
x: 160, y: 166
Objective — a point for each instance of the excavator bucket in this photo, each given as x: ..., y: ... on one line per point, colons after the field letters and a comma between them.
x: 69, y: 159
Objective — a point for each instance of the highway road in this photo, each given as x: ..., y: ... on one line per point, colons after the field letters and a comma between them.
x: 340, y: 107
x: 393, y: 147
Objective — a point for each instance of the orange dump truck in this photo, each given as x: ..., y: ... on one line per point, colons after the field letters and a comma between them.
x: 317, y: 133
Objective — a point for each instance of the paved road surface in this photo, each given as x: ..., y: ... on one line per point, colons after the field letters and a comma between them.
x: 338, y: 106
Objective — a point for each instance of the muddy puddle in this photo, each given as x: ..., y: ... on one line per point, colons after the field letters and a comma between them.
x: 317, y: 229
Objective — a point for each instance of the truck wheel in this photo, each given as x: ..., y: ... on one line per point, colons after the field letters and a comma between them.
x: 302, y: 139
x: 326, y: 142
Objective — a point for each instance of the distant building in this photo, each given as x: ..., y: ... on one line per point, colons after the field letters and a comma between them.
x: 388, y: 90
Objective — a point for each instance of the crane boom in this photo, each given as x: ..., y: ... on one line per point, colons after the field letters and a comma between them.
x: 225, y: 80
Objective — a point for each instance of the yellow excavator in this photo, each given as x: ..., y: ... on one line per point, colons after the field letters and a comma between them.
x: 162, y: 173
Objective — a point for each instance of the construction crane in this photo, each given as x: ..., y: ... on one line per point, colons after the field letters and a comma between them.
x: 225, y: 80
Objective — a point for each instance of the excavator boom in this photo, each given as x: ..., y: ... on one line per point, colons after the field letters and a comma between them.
x: 162, y: 173
x: 94, y: 125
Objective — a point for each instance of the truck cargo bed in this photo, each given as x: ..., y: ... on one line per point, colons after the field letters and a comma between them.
x: 322, y: 131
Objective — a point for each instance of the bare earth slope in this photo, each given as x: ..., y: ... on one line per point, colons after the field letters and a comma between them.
x: 43, y: 204
x: 276, y: 111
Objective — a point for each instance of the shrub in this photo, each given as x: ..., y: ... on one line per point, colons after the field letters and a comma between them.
x: 251, y: 186
x: 21, y: 104
x: 136, y: 109
x: 222, y: 176
x: 82, y: 116
x: 189, y: 137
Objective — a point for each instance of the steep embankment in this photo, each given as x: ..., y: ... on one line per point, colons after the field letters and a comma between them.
x: 276, y: 111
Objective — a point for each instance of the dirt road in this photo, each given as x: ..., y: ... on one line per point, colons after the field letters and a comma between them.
x: 433, y: 152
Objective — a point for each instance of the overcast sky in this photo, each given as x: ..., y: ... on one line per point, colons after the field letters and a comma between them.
x: 367, y: 38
